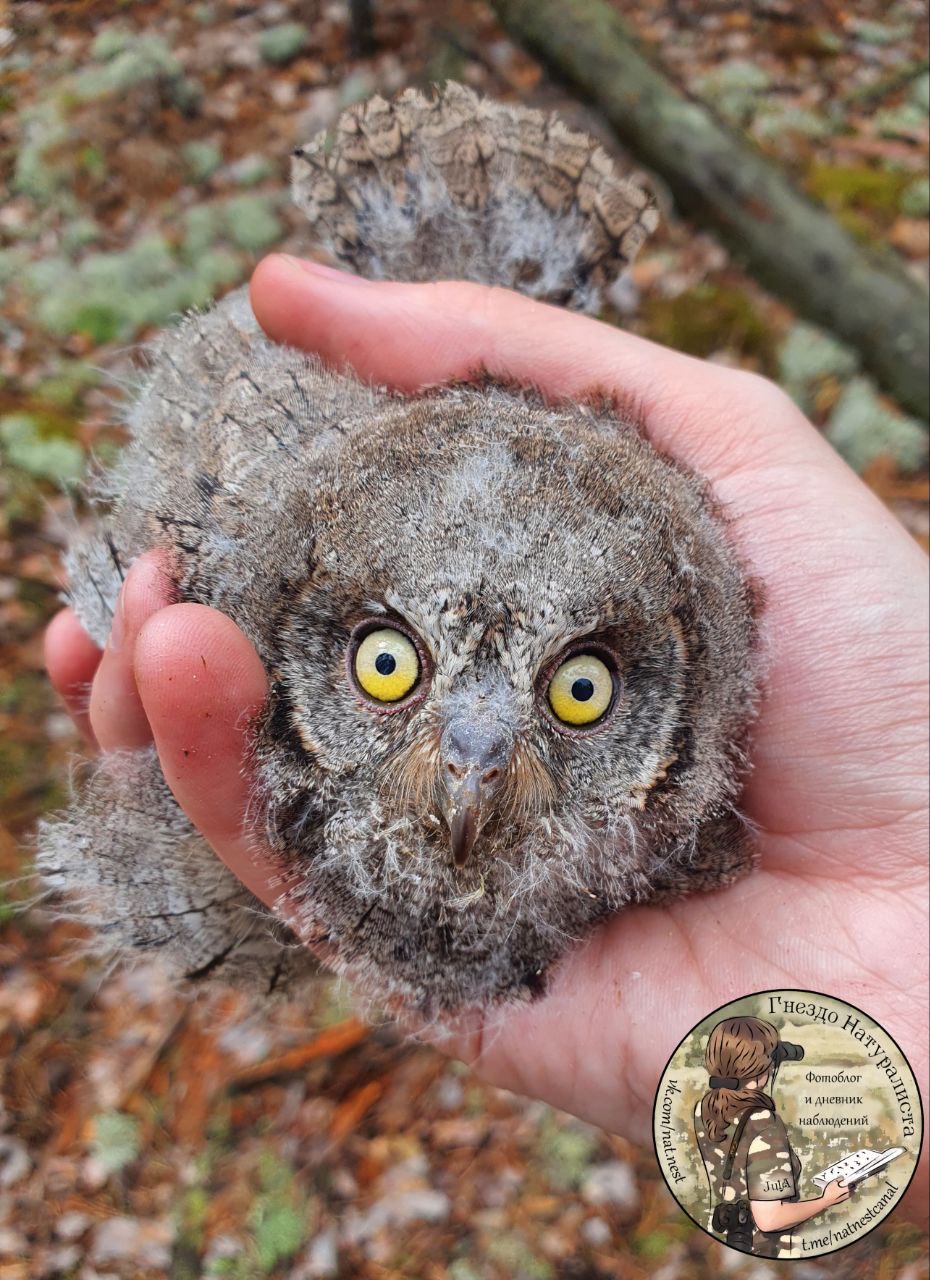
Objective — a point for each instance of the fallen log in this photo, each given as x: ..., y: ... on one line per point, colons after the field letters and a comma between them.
x: 787, y: 240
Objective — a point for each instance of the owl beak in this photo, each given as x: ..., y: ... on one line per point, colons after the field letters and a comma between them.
x: 474, y: 763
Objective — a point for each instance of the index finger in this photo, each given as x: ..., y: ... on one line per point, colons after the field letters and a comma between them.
x: 71, y: 660
x: 409, y: 336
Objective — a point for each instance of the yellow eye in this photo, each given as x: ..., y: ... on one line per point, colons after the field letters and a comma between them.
x: 386, y: 665
x: 581, y: 690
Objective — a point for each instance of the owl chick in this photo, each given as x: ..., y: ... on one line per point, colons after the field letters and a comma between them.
x: 509, y: 644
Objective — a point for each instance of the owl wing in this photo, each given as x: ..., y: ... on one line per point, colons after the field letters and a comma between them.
x: 124, y: 861
x: 226, y: 428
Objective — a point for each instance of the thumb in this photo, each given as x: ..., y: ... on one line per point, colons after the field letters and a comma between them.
x: 201, y: 682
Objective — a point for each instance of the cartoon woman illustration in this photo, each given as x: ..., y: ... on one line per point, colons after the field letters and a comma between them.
x: 751, y: 1167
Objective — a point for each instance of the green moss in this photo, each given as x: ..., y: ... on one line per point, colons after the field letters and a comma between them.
x: 110, y: 296
x: 514, y: 1254
x: 201, y: 227
x: 110, y: 42
x: 201, y: 159
x: 219, y: 1124
x: 859, y: 225
x: 20, y: 502
x: 250, y: 170
x: 78, y: 233
x: 780, y: 119
x: 858, y: 189
x: 281, y: 43
x: 862, y: 428
x: 90, y: 160
x: 474, y: 1106
x: 44, y: 456
x: 185, y: 93
x: 192, y: 1216
x: 251, y: 222
x: 280, y: 1219
x: 26, y: 694
x: 463, y: 1270
x: 279, y: 1232
x: 919, y: 95
x: 354, y: 88
x: 216, y: 268
x: 53, y: 147
x: 116, y: 1140
x: 138, y: 60
x: 15, y: 762
x: 807, y: 358
x: 7, y: 908
x: 736, y: 74
x: 915, y: 199
x: 897, y: 121
x: 43, y: 130
x: 12, y: 262
x: 824, y: 42
x: 565, y: 1152
x: 653, y: 1244
x: 879, y: 33
x: 226, y: 1267
x: 710, y: 318
x: 736, y: 88
x: 65, y: 386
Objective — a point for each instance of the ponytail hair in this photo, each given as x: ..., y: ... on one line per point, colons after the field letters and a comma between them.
x: 738, y: 1049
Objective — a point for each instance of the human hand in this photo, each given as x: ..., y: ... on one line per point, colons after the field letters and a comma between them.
x: 838, y: 788
x: 835, y: 1192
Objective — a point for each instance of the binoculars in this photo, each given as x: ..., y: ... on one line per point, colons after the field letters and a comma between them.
x: 785, y: 1051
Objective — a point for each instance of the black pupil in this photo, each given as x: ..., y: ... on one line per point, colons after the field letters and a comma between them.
x: 386, y: 662
x: 582, y: 690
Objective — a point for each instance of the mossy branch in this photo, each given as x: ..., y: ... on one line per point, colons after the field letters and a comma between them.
x: 792, y: 244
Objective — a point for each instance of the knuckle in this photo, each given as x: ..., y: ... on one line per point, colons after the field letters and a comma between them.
x: 763, y: 394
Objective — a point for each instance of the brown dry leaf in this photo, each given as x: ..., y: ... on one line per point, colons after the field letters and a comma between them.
x: 884, y: 479
x: 348, y: 1114
x: 334, y: 1040
x: 902, y: 153
x: 911, y: 236
x: 200, y: 1074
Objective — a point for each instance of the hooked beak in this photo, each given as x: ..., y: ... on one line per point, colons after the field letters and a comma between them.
x: 474, y: 763
x: 467, y: 807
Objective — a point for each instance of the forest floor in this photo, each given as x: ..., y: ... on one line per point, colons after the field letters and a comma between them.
x: 143, y: 165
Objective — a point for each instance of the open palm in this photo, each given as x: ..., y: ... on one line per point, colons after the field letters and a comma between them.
x: 838, y: 789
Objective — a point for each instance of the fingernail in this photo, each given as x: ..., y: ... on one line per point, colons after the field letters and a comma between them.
x: 143, y: 592
x: 323, y: 272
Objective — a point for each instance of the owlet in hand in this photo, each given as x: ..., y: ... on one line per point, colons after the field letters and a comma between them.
x: 510, y: 647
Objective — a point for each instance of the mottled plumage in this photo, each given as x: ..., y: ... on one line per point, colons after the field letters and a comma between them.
x: 451, y: 846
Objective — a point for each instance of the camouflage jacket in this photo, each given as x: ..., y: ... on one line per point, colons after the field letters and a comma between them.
x: 765, y: 1168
